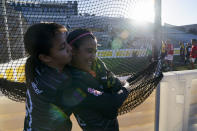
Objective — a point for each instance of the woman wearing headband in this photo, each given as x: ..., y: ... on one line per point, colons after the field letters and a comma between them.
x: 92, y: 75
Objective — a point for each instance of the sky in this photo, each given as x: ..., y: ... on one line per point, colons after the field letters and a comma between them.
x: 179, y: 12
x: 175, y: 12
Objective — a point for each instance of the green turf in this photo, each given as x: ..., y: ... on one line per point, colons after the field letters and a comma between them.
x: 132, y: 65
x: 179, y: 64
x: 123, y: 66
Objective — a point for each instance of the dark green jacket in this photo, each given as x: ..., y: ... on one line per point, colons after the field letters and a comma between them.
x: 53, y: 96
x: 97, y: 98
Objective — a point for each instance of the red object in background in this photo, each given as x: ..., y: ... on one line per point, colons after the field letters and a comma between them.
x: 170, y: 49
x: 193, y: 53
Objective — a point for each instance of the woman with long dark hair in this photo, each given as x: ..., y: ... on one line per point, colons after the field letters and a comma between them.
x: 48, y: 54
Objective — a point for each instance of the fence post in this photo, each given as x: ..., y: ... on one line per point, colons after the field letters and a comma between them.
x: 156, y: 49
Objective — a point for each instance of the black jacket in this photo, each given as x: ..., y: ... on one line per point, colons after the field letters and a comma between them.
x: 103, y: 95
x: 53, y: 96
x: 43, y: 112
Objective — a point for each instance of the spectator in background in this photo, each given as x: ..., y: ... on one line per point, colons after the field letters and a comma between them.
x: 163, y: 50
x: 193, y: 53
x: 182, y: 51
x: 187, y: 52
x: 169, y: 56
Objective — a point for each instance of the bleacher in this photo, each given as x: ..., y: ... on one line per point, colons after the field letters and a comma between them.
x: 35, y: 12
x: 176, y: 36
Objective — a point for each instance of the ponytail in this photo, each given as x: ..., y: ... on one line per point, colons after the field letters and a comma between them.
x: 30, y: 66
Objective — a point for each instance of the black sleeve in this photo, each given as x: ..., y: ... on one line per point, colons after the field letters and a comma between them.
x: 105, y: 103
x: 83, y: 95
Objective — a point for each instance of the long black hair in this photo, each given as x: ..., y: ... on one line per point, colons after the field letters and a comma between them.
x: 39, y: 39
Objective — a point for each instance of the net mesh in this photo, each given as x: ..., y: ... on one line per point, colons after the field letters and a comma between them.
x: 126, y: 46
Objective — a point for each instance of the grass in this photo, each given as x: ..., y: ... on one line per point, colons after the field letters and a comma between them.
x: 124, y: 66
x: 132, y: 65
x: 179, y: 65
x: 184, y: 67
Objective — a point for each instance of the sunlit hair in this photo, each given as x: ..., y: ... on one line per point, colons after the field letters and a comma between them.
x: 39, y: 37
x: 76, y: 37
